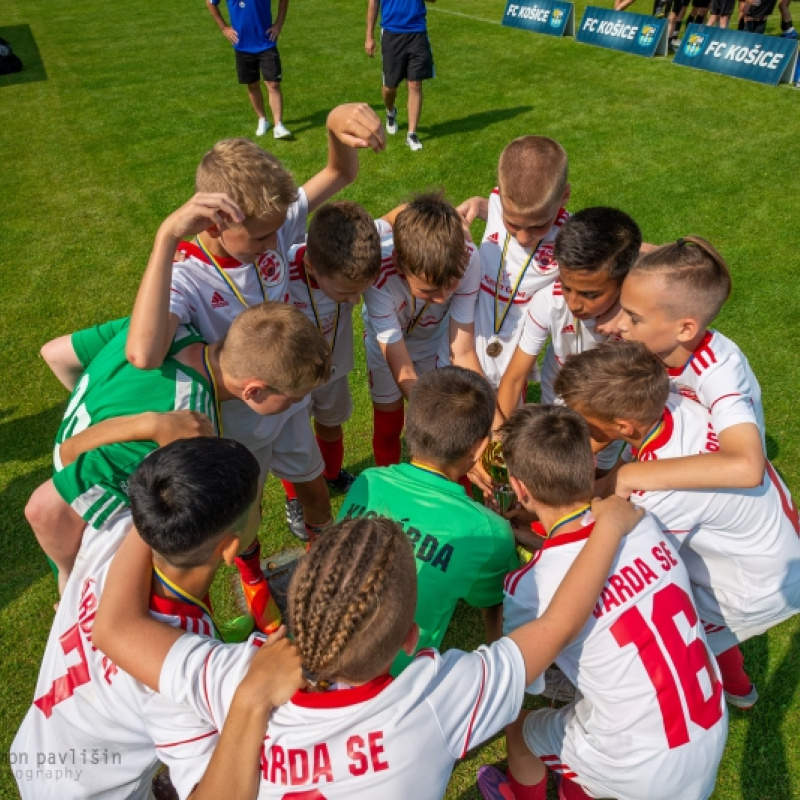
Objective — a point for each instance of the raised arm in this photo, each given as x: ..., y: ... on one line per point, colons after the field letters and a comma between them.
x: 62, y: 359
x: 513, y: 383
x: 462, y: 346
x: 401, y: 365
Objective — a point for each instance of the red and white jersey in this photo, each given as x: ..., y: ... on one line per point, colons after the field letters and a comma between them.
x: 202, y: 297
x: 741, y: 546
x: 548, y: 316
x: 392, y: 314
x: 388, y: 738
x: 649, y: 691
x: 543, y: 269
x: 93, y: 731
x: 718, y: 376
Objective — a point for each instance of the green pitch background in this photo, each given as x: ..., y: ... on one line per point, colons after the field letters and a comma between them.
x: 99, y: 139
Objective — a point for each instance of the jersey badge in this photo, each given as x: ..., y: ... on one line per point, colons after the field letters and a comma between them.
x: 218, y: 301
x: 271, y: 268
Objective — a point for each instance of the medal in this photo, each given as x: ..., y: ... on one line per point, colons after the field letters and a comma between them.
x: 493, y: 349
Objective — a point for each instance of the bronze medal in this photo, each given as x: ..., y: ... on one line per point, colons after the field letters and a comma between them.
x: 494, y: 349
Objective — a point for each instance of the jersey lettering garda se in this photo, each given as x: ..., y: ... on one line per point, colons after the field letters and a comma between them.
x: 210, y: 292
x: 392, y: 314
x: 372, y: 741
x: 93, y: 731
x: 510, y: 276
x: 740, y: 546
x: 650, y: 718
x: 96, y: 483
x: 719, y: 377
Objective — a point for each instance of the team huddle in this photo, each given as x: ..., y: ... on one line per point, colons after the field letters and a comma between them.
x: 235, y: 363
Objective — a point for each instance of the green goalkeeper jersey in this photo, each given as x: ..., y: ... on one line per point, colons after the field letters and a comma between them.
x: 96, y: 483
x: 463, y: 551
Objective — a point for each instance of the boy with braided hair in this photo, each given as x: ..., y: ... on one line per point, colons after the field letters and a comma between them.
x: 356, y: 732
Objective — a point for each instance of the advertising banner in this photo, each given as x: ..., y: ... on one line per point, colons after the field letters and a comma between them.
x: 551, y: 17
x: 638, y: 34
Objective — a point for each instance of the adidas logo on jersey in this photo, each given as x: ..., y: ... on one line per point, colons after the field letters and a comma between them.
x: 218, y: 301
x: 568, y: 329
x: 494, y: 238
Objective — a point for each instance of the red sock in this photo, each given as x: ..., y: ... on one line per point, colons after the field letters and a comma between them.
x: 569, y: 790
x: 249, y: 564
x: 332, y: 456
x: 291, y: 494
x: 467, y: 484
x: 387, y: 427
x: 522, y: 792
x: 731, y: 666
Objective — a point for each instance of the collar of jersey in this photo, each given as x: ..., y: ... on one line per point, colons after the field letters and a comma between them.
x: 676, y: 372
x: 298, y: 270
x: 568, y: 538
x: 421, y: 475
x: 226, y: 262
x: 342, y: 699
x: 171, y: 606
x: 663, y: 437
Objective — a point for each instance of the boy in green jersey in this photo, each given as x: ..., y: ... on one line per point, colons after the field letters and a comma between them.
x: 462, y: 549
x: 271, y: 357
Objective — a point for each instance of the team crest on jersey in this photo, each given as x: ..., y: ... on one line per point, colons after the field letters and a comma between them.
x: 544, y: 258
x: 685, y: 391
x: 647, y: 35
x: 271, y: 268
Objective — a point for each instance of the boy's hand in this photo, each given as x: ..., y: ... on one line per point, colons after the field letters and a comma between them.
x: 623, y: 487
x: 230, y: 34
x: 202, y: 211
x: 275, y: 672
x: 617, y: 511
x: 472, y: 209
x: 174, y: 425
x: 357, y: 125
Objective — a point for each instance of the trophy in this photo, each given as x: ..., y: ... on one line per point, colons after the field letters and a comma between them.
x: 494, y: 464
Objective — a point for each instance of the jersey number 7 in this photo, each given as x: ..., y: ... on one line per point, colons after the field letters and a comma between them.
x: 77, y: 674
x: 686, y: 660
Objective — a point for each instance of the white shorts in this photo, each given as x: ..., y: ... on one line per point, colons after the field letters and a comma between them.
x: 382, y: 385
x: 293, y: 455
x: 332, y: 404
x: 721, y: 638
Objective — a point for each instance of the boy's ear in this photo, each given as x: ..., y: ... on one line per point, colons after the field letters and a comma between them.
x: 397, y: 263
x: 567, y: 193
x: 412, y: 639
x: 688, y: 329
x: 255, y: 391
x: 213, y: 231
x: 626, y: 428
x: 228, y: 548
x: 307, y: 264
x: 477, y: 449
x: 520, y: 490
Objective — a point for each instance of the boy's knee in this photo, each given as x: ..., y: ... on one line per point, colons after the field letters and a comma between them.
x: 47, y: 510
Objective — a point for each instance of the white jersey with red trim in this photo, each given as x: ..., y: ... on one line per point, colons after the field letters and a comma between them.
x: 93, y: 731
x: 741, y: 546
x: 548, y: 316
x: 202, y: 297
x: 387, y: 738
x: 718, y: 376
x: 392, y: 314
x: 542, y: 270
x: 649, y: 720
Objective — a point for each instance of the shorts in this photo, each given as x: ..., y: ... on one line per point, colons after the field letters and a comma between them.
x: 761, y: 10
x: 382, y: 386
x: 267, y: 62
x: 722, y: 8
x: 405, y: 56
x: 294, y: 453
x: 331, y: 404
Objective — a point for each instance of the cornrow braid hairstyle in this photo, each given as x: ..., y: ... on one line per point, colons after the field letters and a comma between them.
x: 352, y: 600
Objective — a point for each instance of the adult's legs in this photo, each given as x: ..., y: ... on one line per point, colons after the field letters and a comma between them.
x: 275, y: 97
x: 414, y: 104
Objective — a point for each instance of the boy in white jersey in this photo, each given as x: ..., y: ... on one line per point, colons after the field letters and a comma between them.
x: 420, y: 311
x: 648, y: 721
x: 668, y: 299
x: 356, y: 733
x: 104, y: 733
x: 239, y: 257
x: 741, y: 546
x: 327, y: 276
x: 523, y: 215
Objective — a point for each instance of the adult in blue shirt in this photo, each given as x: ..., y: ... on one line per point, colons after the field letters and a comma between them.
x: 406, y: 54
x: 254, y: 38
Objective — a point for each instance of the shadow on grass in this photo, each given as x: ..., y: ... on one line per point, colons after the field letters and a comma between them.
x: 472, y: 122
x: 28, y: 438
x: 20, y: 37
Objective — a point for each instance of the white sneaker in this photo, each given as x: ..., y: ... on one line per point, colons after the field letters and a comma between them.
x: 413, y: 141
x: 263, y: 126
x: 743, y: 702
x: 391, y: 122
x: 281, y: 131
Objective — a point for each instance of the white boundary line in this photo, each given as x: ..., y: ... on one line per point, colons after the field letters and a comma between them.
x: 466, y: 16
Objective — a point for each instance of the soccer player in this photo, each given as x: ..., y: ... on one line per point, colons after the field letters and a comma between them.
x: 102, y: 733
x: 669, y: 299
x: 254, y: 37
x: 741, y: 546
x: 419, y: 313
x: 649, y: 721
x: 462, y: 549
x: 357, y: 733
x: 406, y: 54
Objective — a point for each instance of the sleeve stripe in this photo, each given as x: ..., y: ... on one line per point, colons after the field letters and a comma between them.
x: 187, y: 741
x: 475, y: 711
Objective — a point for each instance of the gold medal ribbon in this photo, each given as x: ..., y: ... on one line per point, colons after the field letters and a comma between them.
x: 571, y: 517
x: 500, y: 272
x: 414, y: 320
x: 654, y: 433
x: 226, y: 278
x: 187, y: 598
x: 316, y: 313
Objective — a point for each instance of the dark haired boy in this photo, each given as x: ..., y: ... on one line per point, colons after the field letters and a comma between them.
x: 196, y: 502
x: 649, y: 720
x: 463, y: 550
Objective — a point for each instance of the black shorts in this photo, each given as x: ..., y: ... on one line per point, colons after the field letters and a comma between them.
x: 405, y: 56
x: 268, y: 63
x: 762, y: 10
x: 722, y: 8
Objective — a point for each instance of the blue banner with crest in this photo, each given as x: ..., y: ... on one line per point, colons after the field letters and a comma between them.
x: 551, y: 17
x: 638, y: 34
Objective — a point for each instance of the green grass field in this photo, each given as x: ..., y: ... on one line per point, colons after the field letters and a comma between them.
x: 99, y: 139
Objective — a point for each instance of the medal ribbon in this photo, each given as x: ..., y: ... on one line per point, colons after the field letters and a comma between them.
x: 415, y: 320
x: 430, y: 470
x: 187, y: 598
x: 316, y: 313
x: 571, y: 517
x: 226, y: 278
x: 514, y: 291
x: 654, y: 433
x: 212, y: 380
